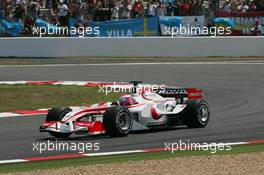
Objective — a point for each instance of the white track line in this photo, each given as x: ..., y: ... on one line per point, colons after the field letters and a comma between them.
x: 12, y: 161
x: 9, y: 114
x: 113, y: 153
x: 138, y: 63
x: 117, y: 152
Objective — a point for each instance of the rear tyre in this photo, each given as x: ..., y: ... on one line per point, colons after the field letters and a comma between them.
x: 56, y: 114
x: 117, y: 121
x: 196, y: 114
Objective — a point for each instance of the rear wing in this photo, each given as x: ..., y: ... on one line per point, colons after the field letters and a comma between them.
x: 190, y: 93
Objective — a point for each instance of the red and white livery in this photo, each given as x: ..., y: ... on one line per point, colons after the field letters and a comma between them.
x: 166, y: 107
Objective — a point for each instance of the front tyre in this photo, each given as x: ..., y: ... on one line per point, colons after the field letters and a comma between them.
x: 117, y: 121
x: 56, y: 114
x: 196, y: 114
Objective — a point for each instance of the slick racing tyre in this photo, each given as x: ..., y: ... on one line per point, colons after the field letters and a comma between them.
x: 56, y: 114
x: 196, y: 114
x: 117, y: 121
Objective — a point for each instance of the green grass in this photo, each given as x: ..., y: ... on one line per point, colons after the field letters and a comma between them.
x: 26, y: 97
x: 38, y: 165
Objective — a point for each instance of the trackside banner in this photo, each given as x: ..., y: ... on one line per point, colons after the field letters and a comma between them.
x: 180, y: 21
x: 10, y: 28
x: 126, y: 27
x: 244, y: 22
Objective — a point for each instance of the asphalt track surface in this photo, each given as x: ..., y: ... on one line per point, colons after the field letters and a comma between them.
x: 234, y: 92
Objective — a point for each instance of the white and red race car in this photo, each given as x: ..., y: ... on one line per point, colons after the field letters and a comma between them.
x: 166, y: 107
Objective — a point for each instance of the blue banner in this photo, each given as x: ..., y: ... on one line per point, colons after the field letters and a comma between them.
x: 125, y: 27
x: 12, y: 28
x: 224, y: 22
x: 50, y: 28
x: 129, y: 27
x: 171, y: 21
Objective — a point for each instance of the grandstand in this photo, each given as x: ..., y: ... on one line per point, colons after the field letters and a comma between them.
x: 58, y: 12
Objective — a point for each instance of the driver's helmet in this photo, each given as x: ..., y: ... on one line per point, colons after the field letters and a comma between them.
x: 126, y: 100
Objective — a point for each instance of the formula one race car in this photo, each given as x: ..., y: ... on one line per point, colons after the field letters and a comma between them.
x: 139, y: 110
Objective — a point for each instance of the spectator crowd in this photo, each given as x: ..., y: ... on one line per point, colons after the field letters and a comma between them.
x: 58, y: 11
x: 242, y: 5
